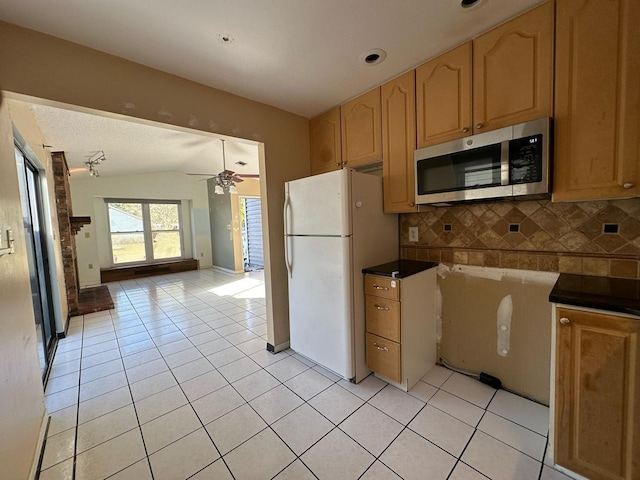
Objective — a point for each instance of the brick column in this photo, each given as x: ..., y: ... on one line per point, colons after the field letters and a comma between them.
x: 67, y: 239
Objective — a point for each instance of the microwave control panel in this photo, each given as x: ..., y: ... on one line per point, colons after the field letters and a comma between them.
x: 525, y: 160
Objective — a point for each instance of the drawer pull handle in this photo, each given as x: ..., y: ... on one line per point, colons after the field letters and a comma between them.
x: 628, y: 185
x: 380, y: 307
x: 378, y: 287
x: 384, y: 349
x: 565, y: 321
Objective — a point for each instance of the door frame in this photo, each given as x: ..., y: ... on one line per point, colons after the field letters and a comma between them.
x: 44, y: 260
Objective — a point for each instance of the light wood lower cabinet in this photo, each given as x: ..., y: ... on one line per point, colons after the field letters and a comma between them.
x: 401, y: 327
x: 597, y: 394
x: 383, y: 357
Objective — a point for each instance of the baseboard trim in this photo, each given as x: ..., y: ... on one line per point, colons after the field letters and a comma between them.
x: 65, y: 329
x: 42, y: 437
x: 226, y: 270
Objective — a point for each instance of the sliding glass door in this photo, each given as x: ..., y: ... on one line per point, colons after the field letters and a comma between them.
x: 37, y: 255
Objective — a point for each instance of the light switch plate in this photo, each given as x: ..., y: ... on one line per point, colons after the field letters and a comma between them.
x: 413, y: 234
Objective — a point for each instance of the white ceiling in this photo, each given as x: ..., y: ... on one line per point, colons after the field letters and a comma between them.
x: 298, y: 55
x: 302, y: 56
x: 134, y: 148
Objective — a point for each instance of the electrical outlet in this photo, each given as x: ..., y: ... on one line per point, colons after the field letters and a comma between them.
x: 413, y: 234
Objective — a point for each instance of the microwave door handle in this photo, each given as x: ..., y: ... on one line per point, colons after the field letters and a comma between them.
x: 505, y: 163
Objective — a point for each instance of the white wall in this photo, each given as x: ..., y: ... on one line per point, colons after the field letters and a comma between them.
x: 87, y: 197
x: 21, y: 393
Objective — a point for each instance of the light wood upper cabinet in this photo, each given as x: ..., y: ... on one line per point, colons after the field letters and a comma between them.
x: 597, y: 399
x: 597, y: 105
x: 361, y: 129
x: 513, y: 71
x: 398, y: 143
x: 324, y: 137
x: 501, y: 78
x: 443, y: 97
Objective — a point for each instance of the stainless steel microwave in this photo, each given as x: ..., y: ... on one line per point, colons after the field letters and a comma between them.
x: 509, y: 162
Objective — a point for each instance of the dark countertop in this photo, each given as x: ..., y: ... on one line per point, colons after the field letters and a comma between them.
x: 405, y: 268
x: 603, y: 293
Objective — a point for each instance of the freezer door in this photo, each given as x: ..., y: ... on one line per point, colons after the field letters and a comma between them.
x: 320, y: 302
x: 318, y: 205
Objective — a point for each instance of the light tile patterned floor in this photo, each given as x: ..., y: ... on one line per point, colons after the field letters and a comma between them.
x: 175, y: 383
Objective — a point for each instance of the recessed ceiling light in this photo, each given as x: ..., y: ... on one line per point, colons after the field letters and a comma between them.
x: 469, y: 3
x: 226, y: 39
x: 373, y: 57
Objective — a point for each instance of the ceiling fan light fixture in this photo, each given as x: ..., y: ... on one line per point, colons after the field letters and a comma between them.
x: 218, y: 190
x: 94, y: 161
x: 233, y: 189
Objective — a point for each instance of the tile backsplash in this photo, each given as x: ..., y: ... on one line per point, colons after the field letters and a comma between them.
x: 593, y: 238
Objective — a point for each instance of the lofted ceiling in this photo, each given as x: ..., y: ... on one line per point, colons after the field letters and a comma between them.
x: 135, y: 148
x: 303, y: 56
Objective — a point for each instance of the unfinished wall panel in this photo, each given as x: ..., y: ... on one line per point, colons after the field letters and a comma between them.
x: 475, y: 305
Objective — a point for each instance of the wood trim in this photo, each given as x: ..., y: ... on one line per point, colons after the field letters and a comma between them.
x: 117, y: 274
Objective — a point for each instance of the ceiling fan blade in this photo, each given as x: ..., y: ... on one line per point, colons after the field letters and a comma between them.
x: 204, y: 174
x: 248, y: 175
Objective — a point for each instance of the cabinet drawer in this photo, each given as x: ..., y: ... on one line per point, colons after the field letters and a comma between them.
x: 383, y: 317
x: 383, y: 357
x: 382, y: 287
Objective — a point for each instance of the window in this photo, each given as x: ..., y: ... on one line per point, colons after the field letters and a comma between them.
x: 144, y: 231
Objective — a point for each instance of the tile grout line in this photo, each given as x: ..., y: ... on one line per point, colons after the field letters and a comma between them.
x: 75, y: 440
x: 144, y: 443
x: 270, y: 425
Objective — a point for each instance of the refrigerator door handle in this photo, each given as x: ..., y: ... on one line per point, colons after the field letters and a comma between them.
x: 287, y: 203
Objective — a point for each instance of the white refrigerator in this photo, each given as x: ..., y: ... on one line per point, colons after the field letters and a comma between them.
x: 334, y: 227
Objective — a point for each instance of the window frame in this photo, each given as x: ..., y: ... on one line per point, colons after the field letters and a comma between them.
x: 147, y: 231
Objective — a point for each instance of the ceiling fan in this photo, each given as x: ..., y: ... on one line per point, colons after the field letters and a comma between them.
x: 226, y: 180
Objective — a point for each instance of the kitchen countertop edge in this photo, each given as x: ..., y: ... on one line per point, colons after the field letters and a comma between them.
x: 404, y: 268
x: 602, y: 293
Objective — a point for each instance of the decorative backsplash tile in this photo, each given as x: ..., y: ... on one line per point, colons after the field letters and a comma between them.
x: 598, y: 238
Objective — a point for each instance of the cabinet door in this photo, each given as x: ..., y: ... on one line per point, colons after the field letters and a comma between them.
x: 361, y: 129
x: 399, y: 143
x: 513, y: 71
x: 443, y: 97
x: 597, y: 402
x: 324, y: 138
x: 597, y: 106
